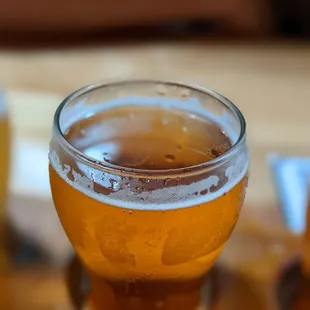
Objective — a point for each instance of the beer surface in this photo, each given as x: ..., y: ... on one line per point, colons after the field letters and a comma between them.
x: 157, y: 256
x: 149, y: 138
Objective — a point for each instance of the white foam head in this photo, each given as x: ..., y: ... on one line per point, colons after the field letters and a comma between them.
x: 164, y: 198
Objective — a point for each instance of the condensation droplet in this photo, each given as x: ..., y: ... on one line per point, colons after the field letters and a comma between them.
x: 130, y: 212
x: 167, y: 181
x: 164, y: 121
x: 145, y: 181
x: 161, y: 89
x: 169, y: 158
x: 113, y: 183
x: 184, y: 128
x: 179, y: 147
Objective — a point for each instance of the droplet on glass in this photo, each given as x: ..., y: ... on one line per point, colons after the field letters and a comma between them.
x: 170, y: 158
x: 215, y: 153
x: 161, y: 89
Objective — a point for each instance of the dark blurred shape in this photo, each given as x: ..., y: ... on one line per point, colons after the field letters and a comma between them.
x: 292, y: 17
x: 34, y: 20
x: 77, y: 283
x: 293, y: 288
x: 238, y: 17
x: 22, y: 250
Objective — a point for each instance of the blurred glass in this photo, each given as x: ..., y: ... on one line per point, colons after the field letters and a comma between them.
x: 291, y: 176
x: 4, y: 174
x: 306, y: 253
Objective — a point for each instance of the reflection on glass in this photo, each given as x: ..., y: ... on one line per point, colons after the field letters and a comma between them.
x: 148, y: 180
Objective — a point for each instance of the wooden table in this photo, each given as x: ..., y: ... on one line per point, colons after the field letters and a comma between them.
x: 270, y: 83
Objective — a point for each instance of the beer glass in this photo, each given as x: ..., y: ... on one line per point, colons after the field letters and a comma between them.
x: 306, y: 254
x: 4, y: 173
x: 148, y: 179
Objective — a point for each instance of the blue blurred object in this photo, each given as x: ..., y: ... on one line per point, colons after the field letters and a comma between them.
x: 291, y: 180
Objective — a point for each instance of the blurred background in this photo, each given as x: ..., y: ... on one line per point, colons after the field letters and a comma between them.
x: 255, y: 52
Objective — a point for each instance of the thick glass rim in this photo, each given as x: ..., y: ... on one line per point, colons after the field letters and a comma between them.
x: 111, y: 168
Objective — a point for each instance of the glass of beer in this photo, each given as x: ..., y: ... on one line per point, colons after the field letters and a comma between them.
x: 4, y: 174
x: 148, y: 179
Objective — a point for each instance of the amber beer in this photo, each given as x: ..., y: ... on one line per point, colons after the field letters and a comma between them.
x: 4, y: 156
x: 148, y: 189
x: 4, y: 171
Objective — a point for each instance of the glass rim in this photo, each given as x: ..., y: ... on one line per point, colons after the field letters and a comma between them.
x: 121, y: 170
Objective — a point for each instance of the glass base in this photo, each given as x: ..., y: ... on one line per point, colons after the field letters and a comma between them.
x: 224, y: 290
